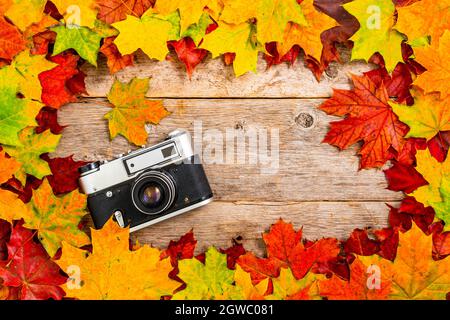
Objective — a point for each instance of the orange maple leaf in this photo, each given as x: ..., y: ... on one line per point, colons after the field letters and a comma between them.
x: 369, y: 118
x: 435, y: 59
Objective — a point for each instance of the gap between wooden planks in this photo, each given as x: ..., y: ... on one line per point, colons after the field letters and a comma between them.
x: 316, y: 186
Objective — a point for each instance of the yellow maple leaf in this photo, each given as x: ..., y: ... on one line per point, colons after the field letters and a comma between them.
x: 234, y: 38
x: 244, y: 288
x: 427, y: 117
x: 134, y: 35
x: 8, y: 167
x: 112, y: 271
x: 214, y: 9
x: 132, y: 111
x: 286, y: 287
x: 433, y: 171
x: 77, y: 12
x: 25, y: 12
x: 190, y: 10
x: 28, y: 67
x: 414, y: 274
x: 307, y: 37
x: 435, y: 59
x: 424, y: 18
x: 11, y: 207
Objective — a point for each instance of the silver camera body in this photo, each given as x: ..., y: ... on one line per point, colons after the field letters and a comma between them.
x: 148, y: 185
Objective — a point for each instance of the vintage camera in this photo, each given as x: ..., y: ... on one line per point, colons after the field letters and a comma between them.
x: 146, y: 186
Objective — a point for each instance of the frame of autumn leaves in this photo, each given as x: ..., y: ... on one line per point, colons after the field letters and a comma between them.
x: 399, y: 112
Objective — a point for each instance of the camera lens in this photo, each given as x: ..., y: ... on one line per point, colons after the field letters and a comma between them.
x: 151, y: 195
x: 153, y: 192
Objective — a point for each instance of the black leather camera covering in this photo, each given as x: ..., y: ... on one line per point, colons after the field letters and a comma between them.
x: 191, y: 186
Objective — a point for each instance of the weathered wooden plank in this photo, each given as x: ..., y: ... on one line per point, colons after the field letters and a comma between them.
x: 220, y: 222
x: 307, y: 170
x: 213, y: 79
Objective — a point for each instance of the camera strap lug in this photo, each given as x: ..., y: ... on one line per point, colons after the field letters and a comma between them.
x: 119, y: 218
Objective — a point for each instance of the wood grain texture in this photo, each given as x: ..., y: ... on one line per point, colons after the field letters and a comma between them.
x: 308, y: 170
x: 212, y: 79
x: 315, y: 185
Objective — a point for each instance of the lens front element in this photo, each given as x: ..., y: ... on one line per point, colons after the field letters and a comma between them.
x: 153, y: 192
x: 151, y: 195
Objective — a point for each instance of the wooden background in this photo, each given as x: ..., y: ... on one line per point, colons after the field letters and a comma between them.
x: 316, y: 186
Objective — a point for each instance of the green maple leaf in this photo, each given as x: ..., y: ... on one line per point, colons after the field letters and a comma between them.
x: 15, y: 113
x: 442, y: 209
x: 234, y: 38
x: 376, y: 19
x: 205, y: 281
x: 28, y: 153
x: 83, y: 40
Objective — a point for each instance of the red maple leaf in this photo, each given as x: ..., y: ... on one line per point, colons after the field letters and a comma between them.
x: 56, y: 85
x: 360, y: 243
x: 28, y: 271
x: 188, y: 53
x: 5, y: 232
x: 439, y: 145
x: 273, y: 57
x: 404, y: 178
x: 64, y: 178
x: 182, y: 249
x: 369, y: 118
x: 48, y: 119
x: 11, y: 40
x: 285, y: 249
x: 233, y: 253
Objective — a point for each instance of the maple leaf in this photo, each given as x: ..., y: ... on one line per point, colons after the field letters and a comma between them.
x: 427, y: 117
x: 8, y: 167
x: 15, y: 113
x: 244, y: 288
x: 11, y: 40
x: 434, y: 59
x: 369, y: 119
x: 115, y: 60
x: 111, y: 11
x: 188, y: 53
x: 357, y: 287
x: 238, y: 39
x: 181, y: 249
x: 307, y: 37
x: 285, y: 249
x: 272, y: 16
x: 414, y: 274
x: 360, y: 243
x: 28, y: 271
x: 28, y: 153
x: 190, y: 11
x: 439, y: 145
x: 210, y: 280
x: 77, y: 12
x: 25, y: 12
x: 433, y: 172
x: 376, y: 18
x: 56, y: 219
x: 5, y: 233
x: 24, y: 74
x: 64, y: 178
x: 55, y: 91
x: 404, y: 178
x: 83, y: 40
x: 134, y: 31
x: 397, y: 85
x: 286, y: 287
x: 142, y: 274
x: 430, y: 19
x: 11, y: 207
x: 47, y: 119
x: 131, y: 111
x: 442, y: 209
